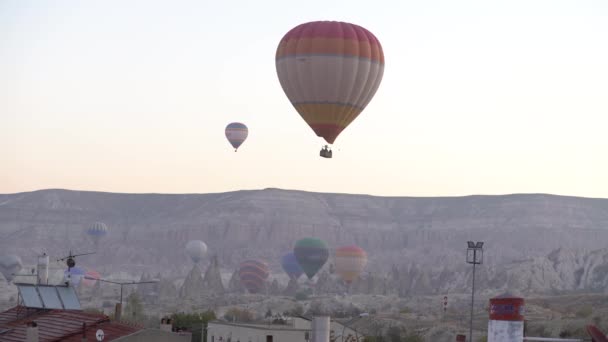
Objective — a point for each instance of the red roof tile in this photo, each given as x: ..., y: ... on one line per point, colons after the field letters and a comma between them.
x: 60, y: 325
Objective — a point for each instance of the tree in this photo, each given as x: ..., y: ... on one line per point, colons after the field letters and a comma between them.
x: 194, y: 321
x: 134, y: 308
x: 268, y: 314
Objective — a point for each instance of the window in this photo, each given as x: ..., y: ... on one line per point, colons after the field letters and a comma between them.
x: 268, y: 338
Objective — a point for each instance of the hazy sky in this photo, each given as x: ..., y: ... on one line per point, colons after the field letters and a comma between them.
x: 478, y: 97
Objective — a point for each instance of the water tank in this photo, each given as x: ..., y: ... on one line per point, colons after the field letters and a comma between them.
x: 506, y: 319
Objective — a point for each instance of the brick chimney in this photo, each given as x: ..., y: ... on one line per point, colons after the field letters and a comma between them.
x: 31, y: 332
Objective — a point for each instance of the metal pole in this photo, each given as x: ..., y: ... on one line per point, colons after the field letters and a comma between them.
x: 472, y: 297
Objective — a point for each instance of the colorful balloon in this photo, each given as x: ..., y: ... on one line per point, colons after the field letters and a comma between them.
x: 87, y: 281
x: 253, y: 275
x: 9, y: 266
x: 74, y: 275
x: 236, y: 133
x: 350, y: 262
x: 290, y: 266
x: 96, y: 231
x: 329, y: 71
x: 311, y: 254
x: 196, y: 250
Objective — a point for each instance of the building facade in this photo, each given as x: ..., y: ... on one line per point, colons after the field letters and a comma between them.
x: 296, y: 329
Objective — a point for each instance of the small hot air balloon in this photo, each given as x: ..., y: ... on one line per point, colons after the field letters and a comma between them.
x: 9, y: 266
x: 290, y: 266
x: 311, y: 254
x: 74, y: 275
x: 96, y: 231
x: 196, y: 250
x: 350, y: 261
x: 329, y: 71
x: 236, y: 133
x: 253, y: 275
x: 90, y: 278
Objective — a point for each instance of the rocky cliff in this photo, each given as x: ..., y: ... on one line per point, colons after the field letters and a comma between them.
x: 529, y: 238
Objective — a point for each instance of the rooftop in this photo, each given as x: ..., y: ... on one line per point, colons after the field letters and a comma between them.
x: 60, y: 325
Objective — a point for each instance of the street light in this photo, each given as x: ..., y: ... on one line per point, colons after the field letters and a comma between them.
x: 475, y: 257
x: 121, y: 285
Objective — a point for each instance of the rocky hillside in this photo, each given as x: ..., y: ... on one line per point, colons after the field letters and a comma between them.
x: 420, y: 238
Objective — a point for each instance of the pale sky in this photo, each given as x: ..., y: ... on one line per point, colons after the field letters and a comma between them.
x: 478, y: 97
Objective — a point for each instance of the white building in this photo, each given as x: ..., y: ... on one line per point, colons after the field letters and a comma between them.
x: 297, y: 329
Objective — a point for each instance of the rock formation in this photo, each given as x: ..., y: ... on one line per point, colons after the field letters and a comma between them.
x: 212, y: 281
x: 193, y: 287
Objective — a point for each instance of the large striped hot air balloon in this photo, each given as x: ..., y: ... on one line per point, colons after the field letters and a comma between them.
x: 350, y: 262
x: 329, y: 71
x: 290, y: 266
x: 253, y: 275
x: 236, y: 133
x: 311, y: 254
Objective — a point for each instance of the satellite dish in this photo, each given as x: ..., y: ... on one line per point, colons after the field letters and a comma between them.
x: 99, y: 335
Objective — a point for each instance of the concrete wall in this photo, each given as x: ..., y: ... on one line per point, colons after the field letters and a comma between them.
x: 257, y: 333
x: 242, y: 333
x: 155, y: 335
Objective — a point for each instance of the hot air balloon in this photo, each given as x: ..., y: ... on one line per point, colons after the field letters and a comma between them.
x: 311, y: 254
x: 290, y: 266
x: 96, y: 231
x: 196, y: 250
x: 350, y: 261
x: 90, y: 278
x: 9, y: 266
x: 74, y: 275
x: 236, y: 133
x: 329, y: 71
x: 253, y: 275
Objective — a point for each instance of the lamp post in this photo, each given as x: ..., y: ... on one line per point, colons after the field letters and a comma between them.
x: 475, y: 257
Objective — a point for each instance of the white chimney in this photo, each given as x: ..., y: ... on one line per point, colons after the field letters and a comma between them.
x: 31, y: 332
x: 320, y: 329
x: 43, y: 269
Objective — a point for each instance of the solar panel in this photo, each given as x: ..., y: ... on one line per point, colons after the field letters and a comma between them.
x: 68, y: 297
x: 30, y: 296
x: 50, y: 298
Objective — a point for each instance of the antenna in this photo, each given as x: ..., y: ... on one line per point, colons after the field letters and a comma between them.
x: 71, y: 262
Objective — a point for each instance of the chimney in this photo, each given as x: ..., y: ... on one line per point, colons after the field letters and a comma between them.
x: 166, y: 324
x: 118, y: 312
x: 31, y: 332
x: 43, y: 269
x: 84, y: 332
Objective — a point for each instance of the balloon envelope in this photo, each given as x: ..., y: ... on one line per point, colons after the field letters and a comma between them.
x: 96, y: 231
x: 253, y: 275
x: 91, y: 274
x: 10, y: 265
x: 329, y: 71
x: 236, y: 133
x: 290, y: 266
x: 350, y: 261
x: 74, y: 275
x: 196, y: 250
x: 311, y: 254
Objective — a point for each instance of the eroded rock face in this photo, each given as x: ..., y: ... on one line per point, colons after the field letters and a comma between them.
x: 212, y: 281
x: 193, y: 287
x: 424, y: 238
